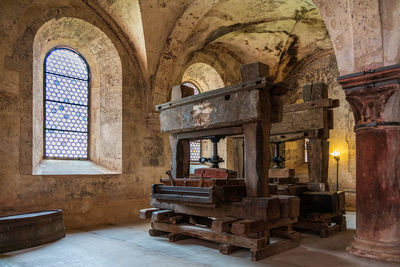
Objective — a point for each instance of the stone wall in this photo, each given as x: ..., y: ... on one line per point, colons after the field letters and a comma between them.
x: 85, y: 199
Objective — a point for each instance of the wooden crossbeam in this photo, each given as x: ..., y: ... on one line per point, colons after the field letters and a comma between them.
x: 208, y: 234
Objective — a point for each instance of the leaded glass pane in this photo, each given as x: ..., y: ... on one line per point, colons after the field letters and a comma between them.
x: 66, y: 107
x: 195, y: 150
x: 64, y: 144
x: 66, y: 62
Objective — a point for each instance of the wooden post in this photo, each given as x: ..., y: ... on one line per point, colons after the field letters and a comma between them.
x: 318, y: 157
x: 257, y: 148
x: 180, y: 158
x: 318, y: 145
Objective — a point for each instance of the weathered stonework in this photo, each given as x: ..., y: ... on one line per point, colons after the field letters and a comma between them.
x: 85, y: 199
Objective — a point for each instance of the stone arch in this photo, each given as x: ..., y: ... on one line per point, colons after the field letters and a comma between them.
x: 21, y: 58
x: 349, y: 24
x: 204, y: 76
x: 105, y: 122
x: 183, y: 27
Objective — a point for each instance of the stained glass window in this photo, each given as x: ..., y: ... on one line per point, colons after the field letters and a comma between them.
x: 66, y: 105
x: 195, y: 146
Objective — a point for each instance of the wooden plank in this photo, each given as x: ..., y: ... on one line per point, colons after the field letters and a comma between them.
x: 225, y: 110
x: 201, y: 134
x: 208, y: 234
x: 281, y: 173
x: 184, y: 198
x: 299, y: 121
x: 161, y: 215
x: 281, y: 138
x: 234, y: 209
x: 246, y: 227
x: 146, y: 213
x: 214, y: 194
x: 258, y: 83
x: 194, y: 181
x: 322, y: 103
x: 215, y: 173
x: 222, y: 224
x: 274, y: 249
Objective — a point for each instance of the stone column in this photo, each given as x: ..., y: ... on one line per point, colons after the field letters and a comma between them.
x: 374, y: 98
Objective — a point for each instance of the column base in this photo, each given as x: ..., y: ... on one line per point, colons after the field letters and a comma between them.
x: 384, y: 251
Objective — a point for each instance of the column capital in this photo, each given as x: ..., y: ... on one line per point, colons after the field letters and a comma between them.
x: 368, y: 93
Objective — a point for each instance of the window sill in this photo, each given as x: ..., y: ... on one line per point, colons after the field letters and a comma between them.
x: 70, y: 167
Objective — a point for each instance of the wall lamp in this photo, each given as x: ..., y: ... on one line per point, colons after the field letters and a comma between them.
x: 336, y: 156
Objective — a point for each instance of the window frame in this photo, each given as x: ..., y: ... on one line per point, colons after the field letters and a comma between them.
x: 194, y: 86
x: 44, y: 103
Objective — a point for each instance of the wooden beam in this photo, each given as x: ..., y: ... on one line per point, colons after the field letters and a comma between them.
x: 161, y: 215
x: 257, y: 157
x: 211, y: 132
x: 208, y: 234
x: 299, y: 122
x: 146, y: 213
x: 274, y: 249
x: 227, y: 249
x: 246, y: 227
x: 322, y: 103
x: 223, y: 224
x: 235, y: 209
x: 180, y: 157
x: 281, y: 138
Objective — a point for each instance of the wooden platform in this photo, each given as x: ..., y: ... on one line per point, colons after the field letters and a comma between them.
x: 30, y: 229
x: 232, y: 233
x: 322, y: 213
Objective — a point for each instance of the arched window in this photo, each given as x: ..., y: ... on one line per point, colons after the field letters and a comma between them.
x: 195, y: 146
x: 66, y: 105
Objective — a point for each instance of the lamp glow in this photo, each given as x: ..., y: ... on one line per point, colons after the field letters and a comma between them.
x: 336, y: 156
x: 335, y: 153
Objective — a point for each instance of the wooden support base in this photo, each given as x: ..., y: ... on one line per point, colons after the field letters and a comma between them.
x: 155, y: 232
x: 273, y: 249
x: 176, y: 237
x: 323, y: 226
x: 258, y: 243
x: 227, y: 249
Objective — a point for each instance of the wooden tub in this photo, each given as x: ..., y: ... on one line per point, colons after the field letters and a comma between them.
x: 30, y: 229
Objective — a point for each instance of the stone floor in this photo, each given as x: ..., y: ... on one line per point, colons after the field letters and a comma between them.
x: 130, y: 245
